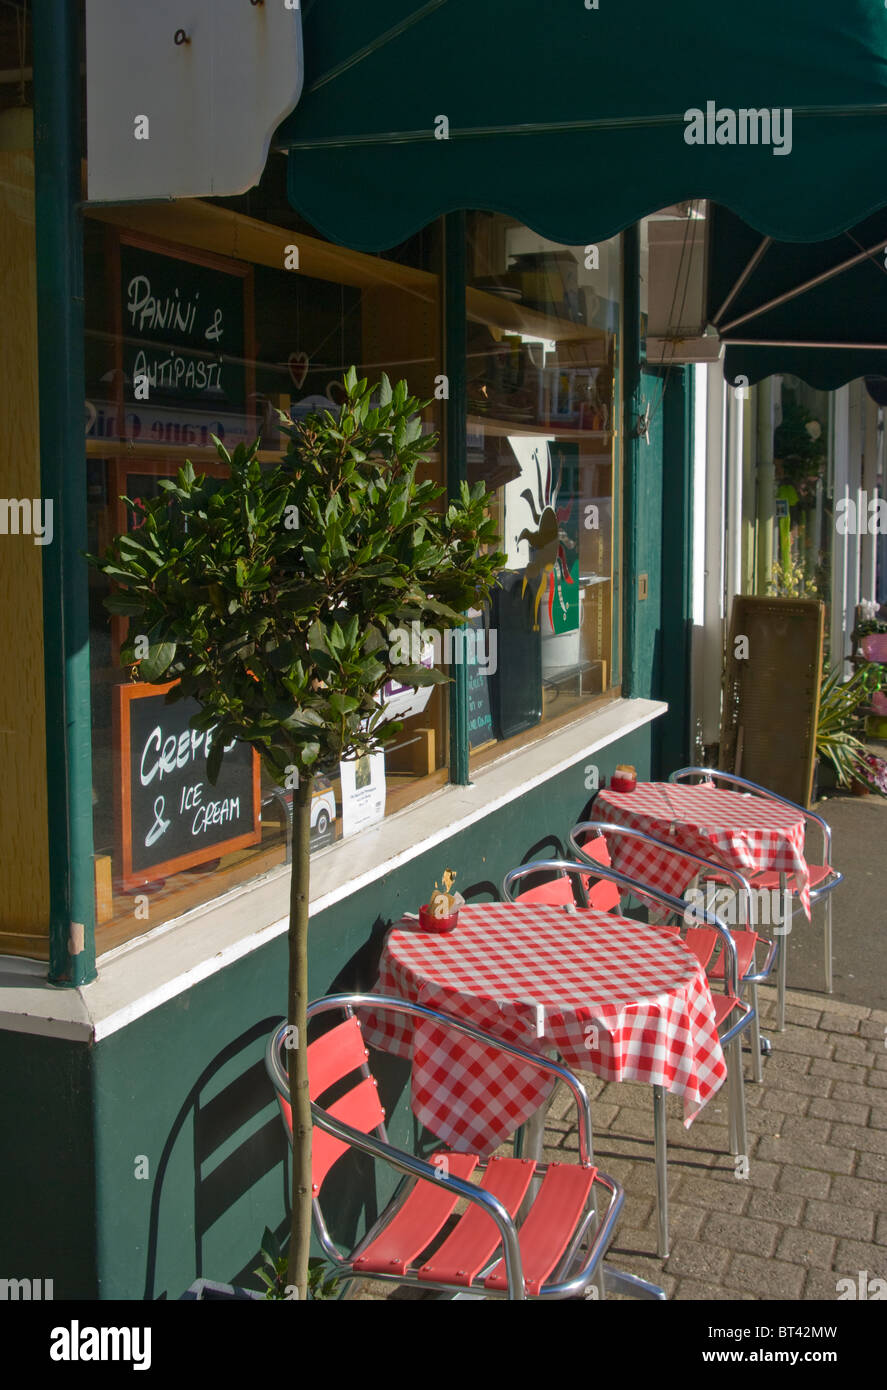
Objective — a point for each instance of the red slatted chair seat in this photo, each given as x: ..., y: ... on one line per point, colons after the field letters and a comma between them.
x: 474, y: 1241
x: 421, y: 1218
x: 549, y: 1226
x: 769, y: 878
x: 745, y: 943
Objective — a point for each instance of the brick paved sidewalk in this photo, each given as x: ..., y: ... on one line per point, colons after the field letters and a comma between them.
x: 814, y: 1207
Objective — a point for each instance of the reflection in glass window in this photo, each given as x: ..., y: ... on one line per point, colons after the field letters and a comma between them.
x: 183, y: 343
x: 542, y: 348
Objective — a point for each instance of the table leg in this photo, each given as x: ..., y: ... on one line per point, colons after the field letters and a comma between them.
x: 659, y: 1118
x: 736, y: 1100
x: 534, y: 1134
x: 757, y: 1070
x: 782, y: 960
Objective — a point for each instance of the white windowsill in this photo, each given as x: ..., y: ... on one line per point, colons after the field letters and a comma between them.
x: 143, y: 974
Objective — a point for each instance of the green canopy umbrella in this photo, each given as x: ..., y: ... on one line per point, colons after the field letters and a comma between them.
x: 817, y: 311
x: 575, y: 120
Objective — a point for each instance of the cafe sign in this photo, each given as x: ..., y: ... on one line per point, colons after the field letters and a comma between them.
x: 164, y: 82
x: 169, y: 815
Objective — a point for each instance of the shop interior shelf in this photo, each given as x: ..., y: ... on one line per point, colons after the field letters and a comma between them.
x: 483, y: 307
x: 519, y: 429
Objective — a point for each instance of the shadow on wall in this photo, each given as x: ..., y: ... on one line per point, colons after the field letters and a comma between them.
x: 213, y: 1122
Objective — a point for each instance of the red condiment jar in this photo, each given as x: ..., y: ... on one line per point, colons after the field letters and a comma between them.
x: 624, y: 779
x: 441, y: 925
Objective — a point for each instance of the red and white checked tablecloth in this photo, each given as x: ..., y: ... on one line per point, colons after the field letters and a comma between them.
x: 747, y: 833
x: 618, y: 998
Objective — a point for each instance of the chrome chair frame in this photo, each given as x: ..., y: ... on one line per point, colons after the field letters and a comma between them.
x: 592, y: 1270
x: 823, y: 890
x: 753, y: 976
x: 730, y: 1038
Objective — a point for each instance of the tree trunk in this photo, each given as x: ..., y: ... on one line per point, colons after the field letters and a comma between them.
x: 297, y: 1057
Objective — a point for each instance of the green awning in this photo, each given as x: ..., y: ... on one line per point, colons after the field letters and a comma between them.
x: 573, y: 119
x: 817, y: 311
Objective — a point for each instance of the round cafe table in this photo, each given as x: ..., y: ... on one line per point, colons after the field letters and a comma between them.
x: 615, y: 997
x: 742, y: 832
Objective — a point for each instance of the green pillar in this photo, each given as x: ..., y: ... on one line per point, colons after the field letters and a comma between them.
x: 456, y: 453
x: 673, y: 741
x: 57, y: 155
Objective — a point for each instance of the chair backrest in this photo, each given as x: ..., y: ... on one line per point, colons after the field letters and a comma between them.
x: 602, y: 894
x: 556, y: 892
x: 332, y: 1058
x: 561, y: 877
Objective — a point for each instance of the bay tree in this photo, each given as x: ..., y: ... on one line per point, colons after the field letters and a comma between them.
x: 269, y: 596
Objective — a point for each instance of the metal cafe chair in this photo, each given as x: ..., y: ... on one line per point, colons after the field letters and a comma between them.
x: 555, y: 1253
x: 823, y: 878
x: 585, y: 840
x: 727, y: 1005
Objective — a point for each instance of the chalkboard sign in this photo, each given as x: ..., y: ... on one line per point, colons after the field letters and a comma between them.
x: 517, y: 684
x: 170, y: 817
x: 480, y: 715
x: 184, y: 346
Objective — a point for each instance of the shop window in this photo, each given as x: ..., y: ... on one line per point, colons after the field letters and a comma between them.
x: 194, y: 327
x: 542, y: 363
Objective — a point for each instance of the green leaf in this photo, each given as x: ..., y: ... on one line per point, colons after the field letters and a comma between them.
x: 127, y: 605
x: 160, y: 657
x: 420, y: 675
x: 343, y: 704
x: 214, y: 758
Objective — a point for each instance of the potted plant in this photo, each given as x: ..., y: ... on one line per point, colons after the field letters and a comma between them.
x: 870, y: 637
x: 840, y: 704
x: 269, y: 598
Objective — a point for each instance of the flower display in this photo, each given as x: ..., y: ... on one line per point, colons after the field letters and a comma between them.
x: 875, y: 770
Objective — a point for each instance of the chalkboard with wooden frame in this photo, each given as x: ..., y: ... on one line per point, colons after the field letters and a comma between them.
x: 224, y: 285
x: 480, y: 712
x: 771, y: 693
x: 185, y: 277
x: 168, y: 816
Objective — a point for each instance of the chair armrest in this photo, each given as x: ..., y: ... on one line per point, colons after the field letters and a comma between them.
x: 748, y: 1014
